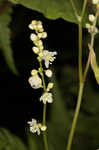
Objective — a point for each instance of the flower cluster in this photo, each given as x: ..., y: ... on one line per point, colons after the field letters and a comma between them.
x: 36, y: 127
x: 37, y: 79
x: 92, y: 29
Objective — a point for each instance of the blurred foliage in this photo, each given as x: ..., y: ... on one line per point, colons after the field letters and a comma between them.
x: 8, y: 141
x: 5, y: 34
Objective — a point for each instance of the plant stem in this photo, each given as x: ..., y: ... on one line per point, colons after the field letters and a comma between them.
x: 75, y: 117
x: 80, y: 53
x: 44, y: 109
x: 83, y: 9
x: 75, y: 10
x: 81, y: 82
x: 45, y: 140
x: 92, y: 44
x: 72, y: 131
x: 44, y: 114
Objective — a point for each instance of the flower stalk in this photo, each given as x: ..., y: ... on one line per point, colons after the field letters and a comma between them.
x: 81, y: 82
x: 37, y: 79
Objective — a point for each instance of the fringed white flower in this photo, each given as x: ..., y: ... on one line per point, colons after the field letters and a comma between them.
x: 48, y: 57
x: 34, y: 126
x: 46, y: 97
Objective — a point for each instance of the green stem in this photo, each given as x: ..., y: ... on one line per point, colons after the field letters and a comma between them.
x: 44, y: 114
x: 72, y: 131
x: 92, y: 45
x: 75, y: 10
x: 42, y: 75
x: 75, y: 117
x: 45, y: 140
x: 44, y: 109
x: 81, y: 81
x: 80, y: 53
x: 80, y: 89
x: 83, y: 9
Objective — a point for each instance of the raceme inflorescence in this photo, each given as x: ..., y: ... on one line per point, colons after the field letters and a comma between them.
x: 37, y: 79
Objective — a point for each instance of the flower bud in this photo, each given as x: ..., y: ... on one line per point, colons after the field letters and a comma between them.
x: 92, y: 18
x: 48, y: 73
x: 35, y: 50
x: 33, y: 37
x: 34, y: 72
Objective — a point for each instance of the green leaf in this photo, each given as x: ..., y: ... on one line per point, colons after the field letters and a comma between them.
x: 53, y: 9
x: 94, y: 64
x: 5, y: 44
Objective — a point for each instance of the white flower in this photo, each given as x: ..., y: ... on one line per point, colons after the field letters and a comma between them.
x: 35, y: 81
x: 34, y: 127
x: 33, y: 37
x: 48, y: 73
x: 46, y: 97
x: 92, y: 18
x: 48, y: 57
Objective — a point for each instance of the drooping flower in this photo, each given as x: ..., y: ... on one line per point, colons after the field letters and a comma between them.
x: 46, y: 97
x: 35, y: 81
x: 48, y: 57
x: 34, y: 126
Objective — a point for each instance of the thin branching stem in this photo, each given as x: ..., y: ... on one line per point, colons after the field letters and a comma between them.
x: 92, y: 45
x: 80, y: 53
x: 75, y: 10
x: 83, y: 9
x: 44, y: 109
x: 81, y: 82
x: 71, y: 134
